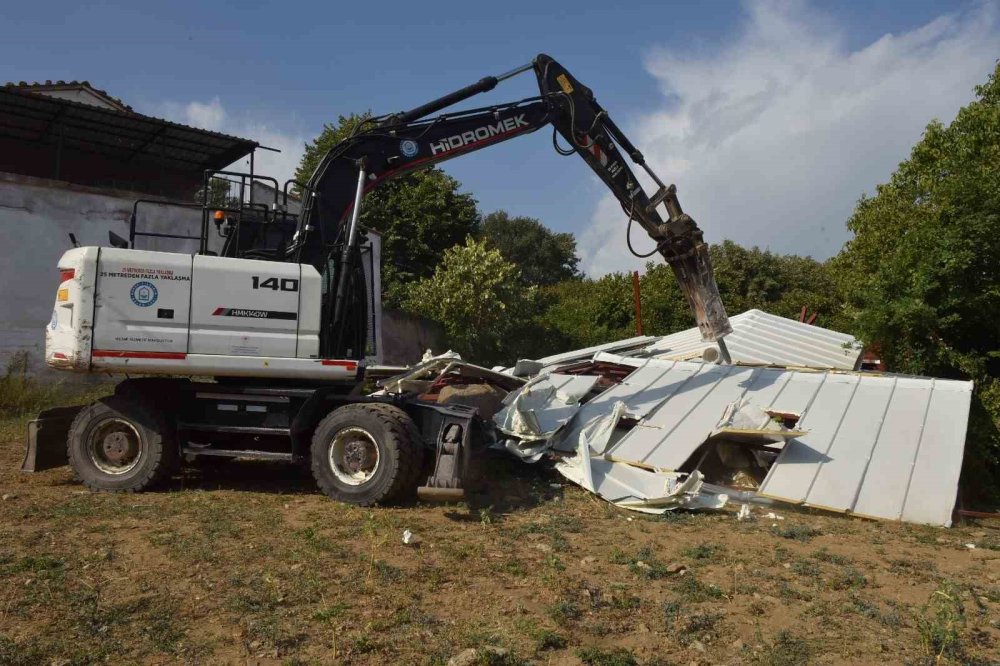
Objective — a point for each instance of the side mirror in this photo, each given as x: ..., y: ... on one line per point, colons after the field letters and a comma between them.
x: 117, y: 241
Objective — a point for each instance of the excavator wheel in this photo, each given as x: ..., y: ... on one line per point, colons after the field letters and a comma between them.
x: 120, y: 444
x: 367, y: 453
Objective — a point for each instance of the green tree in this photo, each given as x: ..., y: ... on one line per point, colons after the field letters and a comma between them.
x: 581, y: 313
x: 222, y: 193
x: 922, y: 275
x: 544, y: 257
x: 593, y: 311
x: 664, y: 308
x: 419, y: 214
x: 751, y: 278
x: 479, y: 299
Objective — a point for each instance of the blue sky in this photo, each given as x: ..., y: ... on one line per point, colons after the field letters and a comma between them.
x: 771, y: 117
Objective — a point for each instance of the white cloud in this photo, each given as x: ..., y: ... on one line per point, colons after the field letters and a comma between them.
x: 773, y: 137
x: 211, y: 115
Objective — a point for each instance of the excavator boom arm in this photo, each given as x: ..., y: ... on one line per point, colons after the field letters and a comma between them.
x: 383, y: 148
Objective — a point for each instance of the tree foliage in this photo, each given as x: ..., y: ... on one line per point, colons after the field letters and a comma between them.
x: 332, y: 134
x: 593, y: 311
x: 479, y: 298
x: 751, y: 278
x: 543, y: 256
x: 922, y: 276
x: 419, y: 214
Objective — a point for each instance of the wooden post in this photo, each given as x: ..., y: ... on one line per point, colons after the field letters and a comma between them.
x: 638, y: 302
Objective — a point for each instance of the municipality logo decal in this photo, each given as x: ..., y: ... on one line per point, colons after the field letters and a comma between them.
x: 144, y: 294
x: 409, y: 148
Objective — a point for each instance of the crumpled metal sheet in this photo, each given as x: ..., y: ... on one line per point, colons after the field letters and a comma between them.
x: 633, y: 487
x: 876, y: 445
x: 433, y: 367
x: 543, y: 405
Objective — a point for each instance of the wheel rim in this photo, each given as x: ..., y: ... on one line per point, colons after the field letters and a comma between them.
x: 354, y: 456
x: 115, y: 446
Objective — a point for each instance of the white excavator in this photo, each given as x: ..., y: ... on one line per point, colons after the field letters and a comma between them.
x: 257, y: 350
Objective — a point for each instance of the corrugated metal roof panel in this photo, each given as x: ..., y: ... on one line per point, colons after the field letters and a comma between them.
x: 762, y: 338
x: 588, y: 352
x: 883, y: 446
x: 880, y: 446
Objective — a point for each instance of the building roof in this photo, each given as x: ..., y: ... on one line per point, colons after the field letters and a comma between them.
x: 762, y: 338
x: 118, y: 134
x: 57, y: 86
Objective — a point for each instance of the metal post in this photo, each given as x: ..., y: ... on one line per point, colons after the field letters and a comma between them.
x: 637, y: 298
x: 355, y: 212
x: 514, y: 72
x: 344, y: 269
x: 251, y: 177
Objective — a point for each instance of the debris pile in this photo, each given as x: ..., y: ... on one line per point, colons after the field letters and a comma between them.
x: 655, y: 424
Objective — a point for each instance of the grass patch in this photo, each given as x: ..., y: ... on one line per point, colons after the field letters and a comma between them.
x: 488, y: 657
x: 330, y: 612
x: 940, y: 623
x: 20, y: 654
x: 785, y: 650
x: 806, y: 568
x: 700, y: 623
x: 565, y: 611
x: 871, y: 611
x: 643, y: 563
x: 695, y: 591
x: 796, y: 532
x: 786, y: 591
x: 22, y: 395
x: 595, y: 656
x: 554, y: 529
x: 847, y: 578
x: 546, y: 639
x: 703, y: 551
x: 823, y: 555
x: 672, y: 612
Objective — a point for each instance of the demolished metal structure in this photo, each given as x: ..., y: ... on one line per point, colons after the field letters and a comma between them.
x: 653, y: 433
x: 879, y: 446
x: 766, y: 339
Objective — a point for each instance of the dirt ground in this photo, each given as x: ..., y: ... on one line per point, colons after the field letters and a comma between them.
x: 246, y: 563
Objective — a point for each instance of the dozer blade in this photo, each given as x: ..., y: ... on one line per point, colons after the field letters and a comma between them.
x: 46, y: 440
x: 435, y: 494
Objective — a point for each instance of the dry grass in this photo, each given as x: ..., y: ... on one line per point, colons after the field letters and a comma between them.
x: 248, y: 562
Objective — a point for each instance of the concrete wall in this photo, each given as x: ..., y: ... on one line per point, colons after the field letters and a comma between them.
x: 36, y: 218
x: 405, y: 337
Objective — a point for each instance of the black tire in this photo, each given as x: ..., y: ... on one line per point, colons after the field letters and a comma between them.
x: 373, y: 427
x: 143, y: 437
